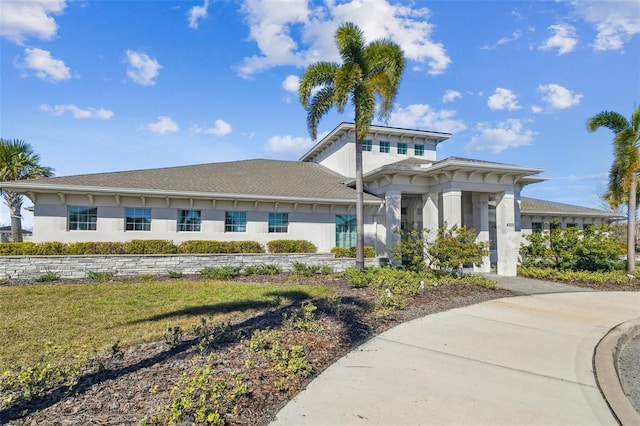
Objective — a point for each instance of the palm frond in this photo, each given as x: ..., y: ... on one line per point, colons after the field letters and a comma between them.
x: 350, y: 43
x: 347, y: 78
x: 321, y: 104
x: 609, y: 119
x: 316, y: 76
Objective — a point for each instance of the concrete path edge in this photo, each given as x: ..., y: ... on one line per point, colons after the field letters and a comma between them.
x: 605, y: 362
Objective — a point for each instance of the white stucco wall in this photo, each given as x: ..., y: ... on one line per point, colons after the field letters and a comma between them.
x: 306, y: 222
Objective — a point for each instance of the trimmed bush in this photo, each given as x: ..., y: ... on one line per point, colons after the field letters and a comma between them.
x: 291, y: 246
x: 247, y: 247
x: 52, y: 248
x: 150, y: 247
x: 201, y: 246
x: 80, y: 248
x: 351, y: 251
x: 18, y: 249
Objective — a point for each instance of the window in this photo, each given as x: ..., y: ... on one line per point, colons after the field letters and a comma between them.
x: 536, y: 227
x: 189, y: 220
x: 366, y: 145
x: 278, y: 222
x: 345, y: 230
x: 235, y: 222
x: 137, y: 219
x: 402, y: 148
x: 384, y: 146
x: 82, y: 218
x: 418, y: 150
x: 572, y: 225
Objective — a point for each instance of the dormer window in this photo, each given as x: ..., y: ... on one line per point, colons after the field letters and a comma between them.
x: 384, y: 146
x: 418, y: 150
x: 366, y: 145
x: 402, y: 148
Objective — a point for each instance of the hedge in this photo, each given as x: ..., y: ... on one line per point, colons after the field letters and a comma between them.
x: 291, y: 246
x: 351, y: 251
x: 150, y: 247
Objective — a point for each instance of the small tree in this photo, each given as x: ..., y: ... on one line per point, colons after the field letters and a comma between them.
x: 455, y: 247
x: 410, y: 250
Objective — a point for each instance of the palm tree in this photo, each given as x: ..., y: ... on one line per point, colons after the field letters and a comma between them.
x: 623, y: 176
x: 369, y: 72
x: 17, y: 162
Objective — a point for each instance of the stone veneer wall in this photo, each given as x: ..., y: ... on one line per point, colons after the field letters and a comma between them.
x: 33, y: 267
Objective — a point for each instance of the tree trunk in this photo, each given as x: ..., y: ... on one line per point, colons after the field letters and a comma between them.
x: 631, y: 228
x: 15, y: 205
x: 359, y: 207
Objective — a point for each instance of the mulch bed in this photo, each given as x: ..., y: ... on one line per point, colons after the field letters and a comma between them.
x: 136, y: 385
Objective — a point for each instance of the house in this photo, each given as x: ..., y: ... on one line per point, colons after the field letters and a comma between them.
x: 311, y: 199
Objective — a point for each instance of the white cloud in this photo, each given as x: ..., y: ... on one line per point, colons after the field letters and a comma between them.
x: 45, y: 66
x: 221, y: 128
x: 615, y: 21
x: 291, y: 83
x: 507, y: 134
x: 198, y: 13
x: 421, y: 116
x: 77, y: 112
x: 558, y: 97
x: 536, y: 109
x: 504, y: 40
x: 288, y: 144
x: 451, y: 95
x: 25, y: 18
x: 271, y: 26
x: 143, y: 69
x: 564, y: 39
x: 163, y: 125
x: 503, y: 99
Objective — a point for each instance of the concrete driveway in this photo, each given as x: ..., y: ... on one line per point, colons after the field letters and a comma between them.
x: 516, y: 361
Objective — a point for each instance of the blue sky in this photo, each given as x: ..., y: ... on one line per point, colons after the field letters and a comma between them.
x: 98, y: 86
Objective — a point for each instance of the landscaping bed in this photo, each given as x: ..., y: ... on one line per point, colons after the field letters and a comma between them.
x: 257, y: 373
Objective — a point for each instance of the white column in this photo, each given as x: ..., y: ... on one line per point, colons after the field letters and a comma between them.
x: 430, y: 216
x: 481, y: 225
x: 452, y: 207
x: 393, y: 204
x: 507, y: 239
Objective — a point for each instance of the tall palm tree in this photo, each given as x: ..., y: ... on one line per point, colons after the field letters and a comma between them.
x: 17, y: 162
x: 369, y: 72
x: 623, y: 176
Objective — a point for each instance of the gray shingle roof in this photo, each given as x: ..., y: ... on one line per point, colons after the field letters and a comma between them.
x: 250, y: 177
x: 533, y: 206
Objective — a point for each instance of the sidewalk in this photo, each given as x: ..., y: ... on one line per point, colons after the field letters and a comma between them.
x: 515, y: 361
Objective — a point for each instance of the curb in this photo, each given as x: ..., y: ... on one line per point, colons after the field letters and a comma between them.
x: 605, y: 362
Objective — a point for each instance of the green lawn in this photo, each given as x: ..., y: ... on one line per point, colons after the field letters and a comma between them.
x: 97, y: 315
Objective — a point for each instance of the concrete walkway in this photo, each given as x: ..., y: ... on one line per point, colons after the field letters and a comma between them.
x: 515, y: 361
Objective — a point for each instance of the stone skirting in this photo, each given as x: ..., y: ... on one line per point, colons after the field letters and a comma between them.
x: 77, y: 267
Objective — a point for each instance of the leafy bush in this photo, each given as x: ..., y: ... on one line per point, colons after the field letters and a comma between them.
x: 150, y: 247
x: 455, y: 247
x: 48, y: 277
x: 246, y: 247
x: 263, y: 269
x: 174, y: 274
x: 81, y: 248
x: 201, y: 246
x: 618, y: 277
x: 300, y: 268
x: 351, y: 251
x: 291, y: 246
x: 221, y: 272
x: 51, y: 248
x: 411, y: 248
x: 594, y: 249
x: 303, y: 318
x: 102, y: 277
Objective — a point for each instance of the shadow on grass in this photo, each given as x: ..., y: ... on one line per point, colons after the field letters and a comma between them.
x: 349, y: 311
x: 228, y: 307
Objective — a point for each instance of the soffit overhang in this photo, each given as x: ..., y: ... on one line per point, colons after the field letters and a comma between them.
x: 32, y: 188
x: 346, y: 129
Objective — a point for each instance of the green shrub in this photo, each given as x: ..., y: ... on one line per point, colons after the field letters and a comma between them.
x: 455, y: 247
x: 48, y: 277
x: 221, y: 272
x: 248, y: 247
x: 81, y: 248
x: 174, y: 274
x: 27, y: 248
x: 351, y: 251
x: 300, y: 268
x: 150, y: 247
x: 291, y: 246
x: 359, y: 278
x: 411, y: 248
x: 263, y: 269
x: 51, y: 248
x: 618, y: 277
x: 201, y: 246
x: 100, y: 276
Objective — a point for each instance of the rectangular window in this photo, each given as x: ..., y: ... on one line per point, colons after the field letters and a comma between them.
x: 572, y: 225
x: 82, y: 218
x: 402, y: 148
x: 189, y: 220
x: 384, y: 146
x: 536, y: 227
x: 345, y: 230
x: 235, y: 222
x: 418, y: 150
x: 366, y: 145
x: 137, y: 219
x: 278, y: 222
